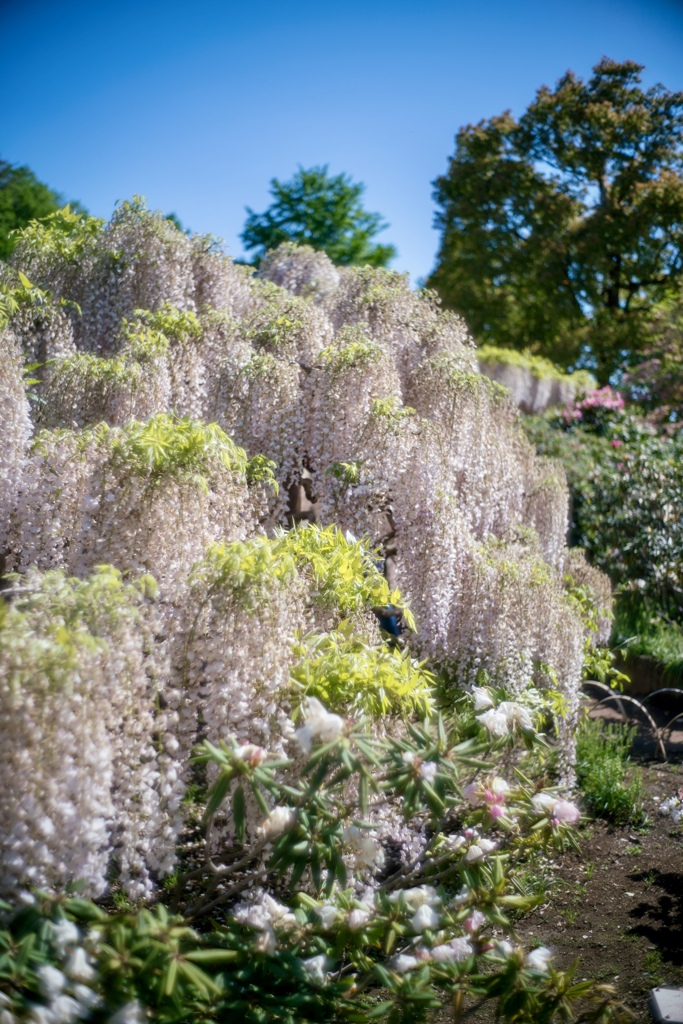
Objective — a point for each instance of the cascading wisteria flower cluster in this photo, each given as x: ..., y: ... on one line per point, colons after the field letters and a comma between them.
x: 85, y: 750
x: 367, y: 400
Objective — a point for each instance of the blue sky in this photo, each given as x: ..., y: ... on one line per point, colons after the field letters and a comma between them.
x: 198, y: 105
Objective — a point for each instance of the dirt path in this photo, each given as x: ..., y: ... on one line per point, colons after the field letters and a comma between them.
x: 618, y: 905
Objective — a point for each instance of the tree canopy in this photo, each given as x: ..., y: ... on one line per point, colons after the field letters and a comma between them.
x: 562, y: 230
x: 22, y: 199
x: 323, y: 211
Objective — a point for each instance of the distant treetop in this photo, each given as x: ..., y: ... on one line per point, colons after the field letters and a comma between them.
x: 562, y: 231
x: 323, y: 211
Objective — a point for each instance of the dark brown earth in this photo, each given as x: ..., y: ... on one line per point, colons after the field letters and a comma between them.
x: 618, y: 905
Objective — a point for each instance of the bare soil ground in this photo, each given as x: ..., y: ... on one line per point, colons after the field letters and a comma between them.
x: 618, y: 906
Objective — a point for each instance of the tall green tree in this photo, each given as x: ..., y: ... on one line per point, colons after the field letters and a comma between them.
x: 22, y: 199
x: 562, y: 230
x: 320, y: 210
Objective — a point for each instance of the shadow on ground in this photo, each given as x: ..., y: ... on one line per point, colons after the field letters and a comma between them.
x: 660, y: 919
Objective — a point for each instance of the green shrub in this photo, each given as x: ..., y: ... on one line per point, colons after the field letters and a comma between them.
x: 602, y: 759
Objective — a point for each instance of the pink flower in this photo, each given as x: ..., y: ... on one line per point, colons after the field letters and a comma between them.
x: 616, y: 443
x: 566, y: 811
x: 475, y: 921
x: 497, y: 811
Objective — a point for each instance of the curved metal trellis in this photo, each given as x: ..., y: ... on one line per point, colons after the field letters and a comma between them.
x: 622, y: 699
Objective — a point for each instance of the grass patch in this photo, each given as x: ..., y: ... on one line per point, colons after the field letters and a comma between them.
x: 611, y: 789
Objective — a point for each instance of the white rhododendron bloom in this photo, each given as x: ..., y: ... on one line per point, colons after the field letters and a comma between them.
x: 319, y: 724
x: 327, y: 914
x: 453, y: 951
x: 538, y: 959
x: 481, y: 848
x: 474, y: 793
x: 404, y: 963
x: 425, y: 917
x: 416, y: 896
x: 504, y: 948
x: 367, y: 851
x: 428, y: 771
x: 516, y: 715
x: 316, y: 968
x: 65, y: 934
x: 78, y: 966
x: 482, y: 698
x: 51, y: 980
x: 277, y: 822
x: 65, y: 1009
x: 358, y: 919
x: 495, y: 723
x: 558, y: 810
x: 252, y: 754
x: 544, y: 803
x: 129, y: 1013
x: 40, y: 1015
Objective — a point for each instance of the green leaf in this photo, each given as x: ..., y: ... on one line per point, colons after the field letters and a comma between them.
x: 218, y: 792
x: 239, y: 813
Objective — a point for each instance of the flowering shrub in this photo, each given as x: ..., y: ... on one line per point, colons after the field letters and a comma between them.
x: 627, y: 485
x: 239, y: 742
x: 437, y: 927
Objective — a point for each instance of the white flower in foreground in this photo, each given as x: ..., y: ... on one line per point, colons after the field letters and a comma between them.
x: 367, y: 852
x: 499, y: 786
x: 358, y: 919
x: 564, y: 810
x: 404, y: 963
x: 319, y: 723
x: 453, y: 951
x: 478, y: 850
x: 516, y: 715
x: 408, y: 756
x: 474, y: 793
x: 41, y: 1015
x: 129, y: 1013
x: 86, y: 998
x: 482, y: 698
x: 51, y: 981
x: 461, y: 897
x: 79, y: 967
x: 428, y: 771
x: 475, y: 921
x: 278, y: 913
x: 277, y: 822
x: 424, y: 917
x: 495, y: 723
x: 417, y: 896
x: 538, y: 959
x: 65, y: 1009
x: 253, y: 755
x: 65, y: 934
x: 544, y: 803
x: 266, y: 942
x: 504, y: 948
x: 316, y: 968
x: 327, y: 914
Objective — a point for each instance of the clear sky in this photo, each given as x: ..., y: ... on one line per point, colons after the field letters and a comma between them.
x: 198, y: 105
